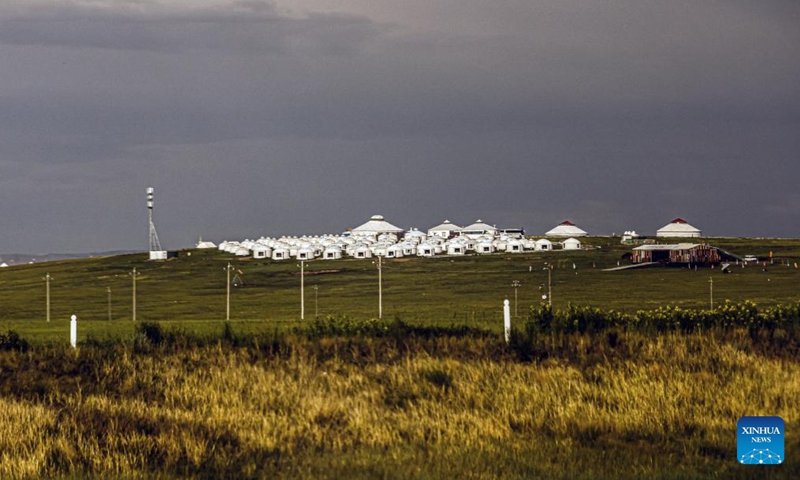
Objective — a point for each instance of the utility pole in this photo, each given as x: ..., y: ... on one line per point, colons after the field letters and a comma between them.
x: 228, y: 292
x: 549, y: 269
x: 516, y: 285
x: 380, y: 288
x: 316, y: 301
x: 302, y: 290
x: 47, y: 294
x: 711, y: 291
x: 133, y: 275
x: 109, y: 303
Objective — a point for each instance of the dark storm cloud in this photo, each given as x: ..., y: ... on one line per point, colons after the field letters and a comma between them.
x: 244, y: 27
x: 251, y: 119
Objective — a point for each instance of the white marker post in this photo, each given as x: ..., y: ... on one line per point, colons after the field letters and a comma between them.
x: 507, y: 321
x: 73, y: 331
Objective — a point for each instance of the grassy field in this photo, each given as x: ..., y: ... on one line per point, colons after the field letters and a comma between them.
x: 187, y: 398
x: 443, y: 407
x: 190, y: 290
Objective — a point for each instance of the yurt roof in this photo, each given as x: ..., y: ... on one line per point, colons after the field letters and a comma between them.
x: 566, y: 229
x: 679, y: 225
x: 377, y: 224
x: 446, y: 226
x: 480, y: 225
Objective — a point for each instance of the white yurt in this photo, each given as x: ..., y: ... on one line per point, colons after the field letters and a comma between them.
x: 414, y: 235
x: 543, y: 244
x: 280, y: 253
x: 425, y: 250
x: 377, y: 226
x: 394, y: 251
x: 566, y: 229
x: 514, y: 246
x: 456, y: 248
x: 479, y: 228
x: 444, y: 230
x: 261, y: 251
x: 332, y: 253
x: 379, y: 249
x: 202, y: 245
x: 485, y: 246
x: 409, y: 248
x: 362, y: 251
x: 678, y: 228
x: 387, y: 238
x: 571, y: 244
x: 305, y: 253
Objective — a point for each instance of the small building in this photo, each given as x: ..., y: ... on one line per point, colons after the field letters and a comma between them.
x: 678, y: 228
x: 485, y: 246
x: 680, y: 253
x: 513, y: 232
x: 566, y: 229
x: 543, y: 245
x: 414, y: 235
x: 202, y: 245
x: 280, y: 253
x: 332, y: 253
x: 305, y: 253
x: 456, y: 248
x: 425, y: 250
x: 394, y: 251
x: 515, y: 246
x: 629, y: 237
x: 409, y: 248
x: 571, y: 244
x: 261, y: 251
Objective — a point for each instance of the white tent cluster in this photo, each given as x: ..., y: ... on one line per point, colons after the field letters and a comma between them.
x: 379, y: 238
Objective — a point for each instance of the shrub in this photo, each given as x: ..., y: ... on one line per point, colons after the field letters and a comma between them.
x: 11, y: 340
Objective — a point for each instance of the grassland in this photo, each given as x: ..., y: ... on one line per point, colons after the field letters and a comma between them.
x: 190, y: 290
x: 441, y: 407
x: 266, y: 398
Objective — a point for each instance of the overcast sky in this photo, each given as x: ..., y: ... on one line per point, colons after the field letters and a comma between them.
x: 254, y: 118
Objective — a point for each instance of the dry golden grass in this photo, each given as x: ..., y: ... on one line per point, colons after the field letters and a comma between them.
x: 224, y: 412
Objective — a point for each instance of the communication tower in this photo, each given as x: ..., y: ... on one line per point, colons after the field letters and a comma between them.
x: 156, y: 253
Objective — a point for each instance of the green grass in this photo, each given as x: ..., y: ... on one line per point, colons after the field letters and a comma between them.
x: 189, y: 291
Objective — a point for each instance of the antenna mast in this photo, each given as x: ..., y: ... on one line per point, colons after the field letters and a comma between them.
x: 156, y: 253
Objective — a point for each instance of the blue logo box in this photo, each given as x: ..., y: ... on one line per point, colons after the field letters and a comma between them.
x: 759, y: 440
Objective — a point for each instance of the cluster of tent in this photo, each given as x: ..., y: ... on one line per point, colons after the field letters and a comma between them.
x: 379, y: 238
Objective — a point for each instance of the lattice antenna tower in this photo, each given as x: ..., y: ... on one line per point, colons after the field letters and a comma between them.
x: 155, y: 245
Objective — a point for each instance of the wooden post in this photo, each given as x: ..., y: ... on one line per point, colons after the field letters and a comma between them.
x: 507, y: 321
x: 73, y: 331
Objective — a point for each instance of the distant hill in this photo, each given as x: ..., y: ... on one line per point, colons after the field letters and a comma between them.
x: 24, y: 258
